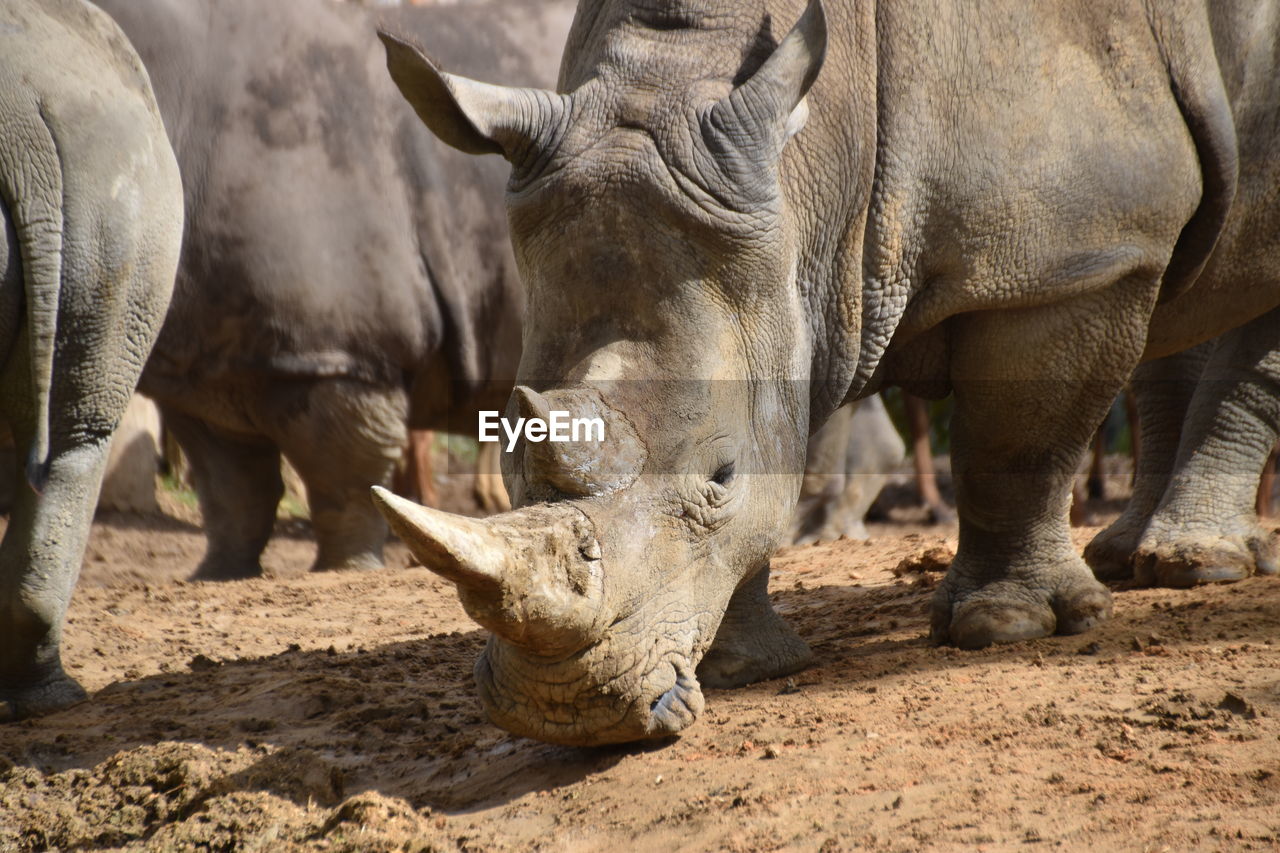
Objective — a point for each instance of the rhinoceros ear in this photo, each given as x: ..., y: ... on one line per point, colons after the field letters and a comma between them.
x: 475, y: 117
x: 768, y: 108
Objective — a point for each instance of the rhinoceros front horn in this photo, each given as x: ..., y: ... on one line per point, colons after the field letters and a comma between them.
x: 460, y: 549
x: 532, y: 576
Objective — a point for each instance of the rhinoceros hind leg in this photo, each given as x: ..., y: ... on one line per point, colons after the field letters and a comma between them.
x: 239, y: 486
x: 1163, y: 390
x: 1187, y: 562
x: 39, y: 562
x: 53, y: 693
x: 753, y: 642
x: 349, y: 440
x: 1206, y: 528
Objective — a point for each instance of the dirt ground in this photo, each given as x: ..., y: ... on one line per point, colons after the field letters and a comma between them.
x: 336, y: 712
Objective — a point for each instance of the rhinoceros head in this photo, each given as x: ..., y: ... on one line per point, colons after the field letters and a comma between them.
x: 654, y: 240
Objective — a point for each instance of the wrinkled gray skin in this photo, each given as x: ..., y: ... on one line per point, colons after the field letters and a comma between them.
x: 90, y: 224
x: 1211, y: 416
x: 343, y: 271
x: 987, y: 198
x: 848, y: 462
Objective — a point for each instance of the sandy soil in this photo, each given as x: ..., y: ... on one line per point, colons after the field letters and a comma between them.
x: 336, y: 712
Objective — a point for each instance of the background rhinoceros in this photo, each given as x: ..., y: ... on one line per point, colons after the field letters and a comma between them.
x: 343, y: 272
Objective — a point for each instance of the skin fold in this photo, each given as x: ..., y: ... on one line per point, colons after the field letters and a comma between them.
x: 90, y: 226
x: 734, y: 217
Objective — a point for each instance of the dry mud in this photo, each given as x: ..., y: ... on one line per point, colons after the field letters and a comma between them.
x: 336, y: 712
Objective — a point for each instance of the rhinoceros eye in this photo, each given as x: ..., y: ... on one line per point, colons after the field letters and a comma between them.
x: 723, y: 474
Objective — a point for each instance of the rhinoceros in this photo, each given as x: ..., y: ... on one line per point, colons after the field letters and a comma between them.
x: 732, y: 217
x: 90, y: 225
x: 847, y: 462
x: 343, y: 272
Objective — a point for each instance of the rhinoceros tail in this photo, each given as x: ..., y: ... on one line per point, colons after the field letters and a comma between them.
x: 31, y: 187
x: 1186, y: 42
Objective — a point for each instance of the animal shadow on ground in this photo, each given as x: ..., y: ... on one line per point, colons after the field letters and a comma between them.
x: 860, y: 635
x: 402, y: 718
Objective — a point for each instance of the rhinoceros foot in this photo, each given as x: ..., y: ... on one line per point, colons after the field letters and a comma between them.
x: 771, y: 651
x: 753, y: 643
x: 1189, y: 560
x: 973, y: 610
x: 50, y: 694
x: 353, y: 563
x: 1110, y: 554
x: 227, y: 569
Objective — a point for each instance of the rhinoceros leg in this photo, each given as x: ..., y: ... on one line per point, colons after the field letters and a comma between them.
x: 350, y: 438
x: 239, y: 486
x: 753, y: 642
x: 96, y: 368
x: 824, y: 481
x: 1031, y: 387
x: 39, y: 564
x: 1206, y: 527
x: 1163, y: 389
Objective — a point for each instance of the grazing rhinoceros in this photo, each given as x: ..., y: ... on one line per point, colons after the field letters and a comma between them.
x: 90, y: 225
x: 342, y: 269
x: 1012, y: 201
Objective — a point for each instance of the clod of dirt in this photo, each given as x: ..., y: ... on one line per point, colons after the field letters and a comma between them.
x: 172, y: 795
x: 936, y: 559
x: 296, y: 774
x: 1237, y: 705
x: 202, y: 663
x: 375, y: 822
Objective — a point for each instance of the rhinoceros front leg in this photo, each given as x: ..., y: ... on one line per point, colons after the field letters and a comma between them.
x: 1206, y: 528
x: 239, y: 486
x: 1163, y: 390
x: 753, y: 642
x: 39, y: 564
x: 1031, y: 387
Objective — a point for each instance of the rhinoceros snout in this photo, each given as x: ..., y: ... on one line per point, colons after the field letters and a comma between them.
x: 577, y: 706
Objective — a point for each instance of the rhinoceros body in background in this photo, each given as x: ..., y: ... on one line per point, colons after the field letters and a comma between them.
x: 342, y: 269
x: 847, y: 463
x: 90, y: 224
x: 724, y: 238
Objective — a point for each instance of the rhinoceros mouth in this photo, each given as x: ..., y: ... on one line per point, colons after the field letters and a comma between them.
x: 570, y: 707
x: 679, y: 707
